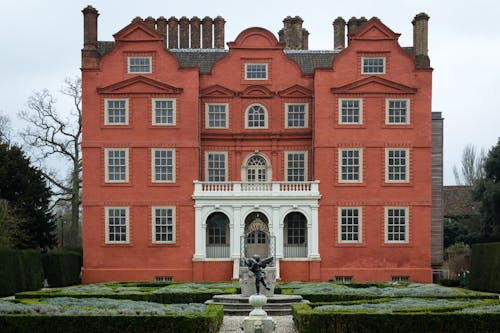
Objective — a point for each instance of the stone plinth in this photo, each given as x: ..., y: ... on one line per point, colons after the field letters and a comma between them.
x: 258, y: 321
x: 247, y: 282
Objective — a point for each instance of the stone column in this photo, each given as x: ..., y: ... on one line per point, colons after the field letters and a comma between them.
x: 277, y: 229
x: 312, y: 233
x: 235, y: 241
x: 199, y: 234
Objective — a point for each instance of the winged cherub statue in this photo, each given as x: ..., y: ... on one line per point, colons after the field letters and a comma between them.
x: 257, y: 267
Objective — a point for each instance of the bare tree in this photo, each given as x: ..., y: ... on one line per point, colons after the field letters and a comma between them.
x: 5, y: 130
x: 472, y: 166
x: 52, y: 135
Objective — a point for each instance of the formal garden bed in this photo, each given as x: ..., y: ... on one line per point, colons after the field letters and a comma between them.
x: 67, y: 314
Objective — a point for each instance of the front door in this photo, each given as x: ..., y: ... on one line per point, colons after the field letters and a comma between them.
x: 256, y: 235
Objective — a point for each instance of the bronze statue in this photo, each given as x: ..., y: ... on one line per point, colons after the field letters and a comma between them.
x: 257, y: 267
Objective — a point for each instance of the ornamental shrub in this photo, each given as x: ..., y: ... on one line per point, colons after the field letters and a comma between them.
x: 62, y: 268
x: 21, y: 270
x: 485, y: 267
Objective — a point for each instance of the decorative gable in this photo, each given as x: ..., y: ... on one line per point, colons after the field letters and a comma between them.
x: 374, y: 29
x: 217, y: 91
x: 295, y: 91
x: 139, y: 85
x: 374, y: 85
x: 256, y: 91
x: 137, y: 31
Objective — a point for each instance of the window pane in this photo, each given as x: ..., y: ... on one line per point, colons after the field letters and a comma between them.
x: 139, y: 65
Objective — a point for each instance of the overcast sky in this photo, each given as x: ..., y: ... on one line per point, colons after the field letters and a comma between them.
x: 41, y: 43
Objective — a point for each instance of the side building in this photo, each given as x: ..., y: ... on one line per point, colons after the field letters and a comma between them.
x: 194, y: 154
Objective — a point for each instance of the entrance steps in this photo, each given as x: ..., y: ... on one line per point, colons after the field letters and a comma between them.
x: 237, y: 305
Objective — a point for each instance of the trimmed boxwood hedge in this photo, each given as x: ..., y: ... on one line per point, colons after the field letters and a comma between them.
x: 62, y: 268
x: 209, y: 322
x: 485, y: 267
x: 21, y: 270
x: 307, y: 320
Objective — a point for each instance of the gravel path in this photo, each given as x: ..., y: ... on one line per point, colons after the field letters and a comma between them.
x: 231, y: 324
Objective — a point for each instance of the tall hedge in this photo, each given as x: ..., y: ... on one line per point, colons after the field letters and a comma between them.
x: 62, y: 268
x: 20, y: 270
x: 485, y: 267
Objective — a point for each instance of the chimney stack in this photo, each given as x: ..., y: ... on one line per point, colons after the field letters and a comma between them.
x: 161, y: 25
x: 173, y: 33
x: 207, y: 32
x: 219, y: 32
x: 150, y: 22
x: 184, y: 33
x: 293, y: 34
x: 420, y: 40
x: 305, y: 39
x: 90, y: 56
x: 195, y: 32
x: 339, y: 33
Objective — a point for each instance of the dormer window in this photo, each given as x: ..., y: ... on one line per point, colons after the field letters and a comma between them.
x: 139, y: 65
x: 256, y: 72
x: 373, y: 65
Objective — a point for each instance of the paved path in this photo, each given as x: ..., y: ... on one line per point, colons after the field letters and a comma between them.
x: 231, y: 324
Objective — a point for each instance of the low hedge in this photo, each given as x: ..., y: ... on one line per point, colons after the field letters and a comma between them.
x: 307, y: 320
x: 209, y: 322
x: 485, y: 267
x: 62, y: 268
x: 21, y: 270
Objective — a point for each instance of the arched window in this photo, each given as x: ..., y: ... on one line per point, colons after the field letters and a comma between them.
x: 295, y: 235
x: 256, y: 116
x: 217, y: 236
x: 256, y: 169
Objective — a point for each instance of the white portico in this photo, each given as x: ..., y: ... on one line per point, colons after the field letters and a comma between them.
x: 226, y: 211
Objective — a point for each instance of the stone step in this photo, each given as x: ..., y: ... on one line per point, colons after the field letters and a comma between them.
x: 237, y: 305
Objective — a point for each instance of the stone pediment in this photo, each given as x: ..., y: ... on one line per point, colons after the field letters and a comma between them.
x: 256, y: 91
x: 374, y: 29
x: 295, y: 91
x: 137, y: 31
x: 256, y: 38
x: 217, y: 91
x: 139, y: 85
x: 374, y: 85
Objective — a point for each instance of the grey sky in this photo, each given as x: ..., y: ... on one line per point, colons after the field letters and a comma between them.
x: 41, y: 42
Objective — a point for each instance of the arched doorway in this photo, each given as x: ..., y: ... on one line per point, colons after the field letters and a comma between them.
x: 295, y: 236
x: 217, y: 237
x: 257, y: 235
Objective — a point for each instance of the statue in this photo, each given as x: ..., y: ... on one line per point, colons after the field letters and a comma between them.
x: 257, y: 267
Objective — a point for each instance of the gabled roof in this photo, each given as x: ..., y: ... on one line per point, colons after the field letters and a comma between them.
x: 139, y: 85
x: 374, y: 85
x: 217, y: 91
x: 138, y: 31
x: 295, y: 91
x: 256, y: 91
x: 374, y: 29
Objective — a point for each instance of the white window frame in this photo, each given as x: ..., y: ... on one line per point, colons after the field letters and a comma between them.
x: 386, y: 225
x: 407, y: 164
x: 360, y: 225
x: 387, y: 102
x: 207, y: 114
x: 139, y: 57
x: 106, y: 111
x: 373, y: 73
x: 360, y: 114
x: 106, y: 165
x: 174, y: 111
x: 153, y: 165
x: 287, y: 153
x: 127, y: 224
x: 306, y: 115
x: 340, y: 165
x: 153, y: 224
x: 207, y: 153
x: 266, y: 65
x: 266, y: 124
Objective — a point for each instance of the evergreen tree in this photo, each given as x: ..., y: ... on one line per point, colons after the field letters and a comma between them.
x: 27, y: 195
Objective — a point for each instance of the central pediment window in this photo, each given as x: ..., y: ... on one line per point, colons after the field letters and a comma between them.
x: 256, y: 116
x: 256, y: 169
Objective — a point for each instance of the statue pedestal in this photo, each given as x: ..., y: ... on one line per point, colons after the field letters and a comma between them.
x: 247, y: 282
x: 258, y: 321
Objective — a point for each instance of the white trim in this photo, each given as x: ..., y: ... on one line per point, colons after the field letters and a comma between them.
x: 153, y: 150
x: 139, y: 57
x: 360, y: 122
x: 225, y: 163
x: 360, y: 225
x: 153, y: 224
x: 306, y: 115
x: 407, y: 162
x: 266, y: 124
x: 373, y: 73
x: 207, y: 118
x: 106, y: 164
x: 339, y: 167
x: 387, y: 100
x: 306, y: 162
x: 257, y: 79
x: 106, y: 224
x: 407, y: 224
x: 153, y: 111
x: 106, y: 114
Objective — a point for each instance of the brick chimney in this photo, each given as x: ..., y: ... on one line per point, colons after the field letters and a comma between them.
x: 293, y: 33
x: 305, y: 39
x: 207, y: 32
x: 219, y: 32
x: 173, y: 33
x: 90, y: 56
x: 195, y: 32
x: 161, y: 25
x: 150, y: 22
x: 420, y: 40
x: 339, y: 33
x: 184, y: 33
